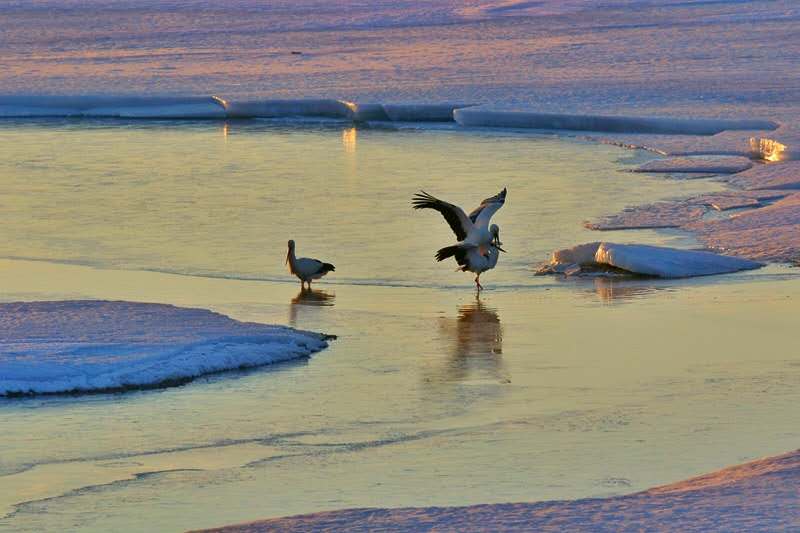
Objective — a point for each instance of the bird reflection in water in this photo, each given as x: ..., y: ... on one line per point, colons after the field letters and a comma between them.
x: 307, y: 302
x: 477, y: 349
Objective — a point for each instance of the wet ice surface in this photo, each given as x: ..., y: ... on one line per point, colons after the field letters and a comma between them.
x: 85, y: 346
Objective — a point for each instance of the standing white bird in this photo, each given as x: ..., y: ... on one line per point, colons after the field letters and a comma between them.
x: 479, y: 243
x: 474, y: 261
x: 306, y: 269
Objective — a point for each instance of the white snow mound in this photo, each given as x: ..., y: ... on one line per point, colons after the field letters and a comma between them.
x: 84, y: 346
x: 643, y: 260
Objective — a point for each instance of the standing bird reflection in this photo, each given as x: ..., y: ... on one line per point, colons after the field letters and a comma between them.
x: 477, y: 344
x: 479, y: 243
x: 306, y: 269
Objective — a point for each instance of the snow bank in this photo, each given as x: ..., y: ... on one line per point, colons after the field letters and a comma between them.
x: 656, y: 215
x: 643, y: 260
x: 770, y: 233
x: 111, y: 107
x: 770, y: 176
x: 756, y: 496
x: 482, y: 117
x: 81, y: 346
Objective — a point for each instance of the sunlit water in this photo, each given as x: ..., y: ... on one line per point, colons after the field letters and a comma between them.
x: 539, y: 389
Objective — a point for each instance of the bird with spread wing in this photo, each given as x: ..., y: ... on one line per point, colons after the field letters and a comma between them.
x: 478, y: 242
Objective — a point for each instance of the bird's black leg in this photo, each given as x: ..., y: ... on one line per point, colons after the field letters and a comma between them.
x: 478, y: 282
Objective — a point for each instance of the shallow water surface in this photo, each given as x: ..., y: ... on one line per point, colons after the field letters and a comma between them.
x: 222, y: 199
x: 538, y: 389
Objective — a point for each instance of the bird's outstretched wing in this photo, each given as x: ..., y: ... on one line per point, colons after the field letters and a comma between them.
x: 454, y: 215
x: 488, y: 208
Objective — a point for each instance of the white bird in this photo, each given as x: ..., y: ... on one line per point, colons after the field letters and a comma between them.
x: 479, y: 243
x: 474, y: 261
x: 306, y: 269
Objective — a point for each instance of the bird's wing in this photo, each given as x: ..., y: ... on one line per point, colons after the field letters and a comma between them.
x: 481, y: 215
x: 309, y: 265
x: 453, y: 214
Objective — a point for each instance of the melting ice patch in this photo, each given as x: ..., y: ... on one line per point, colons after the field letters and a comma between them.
x: 82, y: 346
x: 643, y: 260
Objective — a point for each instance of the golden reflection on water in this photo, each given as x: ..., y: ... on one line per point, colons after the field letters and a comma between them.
x: 307, y: 299
x: 477, y: 344
x: 349, y: 138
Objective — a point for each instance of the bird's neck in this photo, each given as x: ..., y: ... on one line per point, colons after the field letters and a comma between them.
x: 292, y: 260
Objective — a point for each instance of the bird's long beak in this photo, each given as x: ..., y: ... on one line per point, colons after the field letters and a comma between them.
x: 287, y: 258
x: 497, y: 245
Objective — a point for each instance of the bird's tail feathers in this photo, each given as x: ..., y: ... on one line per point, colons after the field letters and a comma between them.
x: 447, y: 252
x: 459, y: 251
x: 327, y: 267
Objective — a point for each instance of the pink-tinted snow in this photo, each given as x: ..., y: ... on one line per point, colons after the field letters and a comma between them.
x: 702, y: 165
x: 770, y: 233
x: 762, y: 495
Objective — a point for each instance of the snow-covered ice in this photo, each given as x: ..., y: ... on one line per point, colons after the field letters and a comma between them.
x: 679, y: 213
x: 82, y: 346
x: 757, y: 496
x: 656, y: 215
x: 702, y: 165
x: 643, y: 260
x: 770, y: 233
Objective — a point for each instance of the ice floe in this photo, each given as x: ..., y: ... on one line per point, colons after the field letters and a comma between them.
x: 642, y: 260
x: 700, y: 164
x: 84, y: 346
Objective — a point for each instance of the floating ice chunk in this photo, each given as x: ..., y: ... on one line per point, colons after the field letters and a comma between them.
x: 668, y: 262
x: 482, y: 117
x: 643, y: 260
x: 702, y: 165
x: 111, y: 107
x: 422, y: 112
x: 79, y: 346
